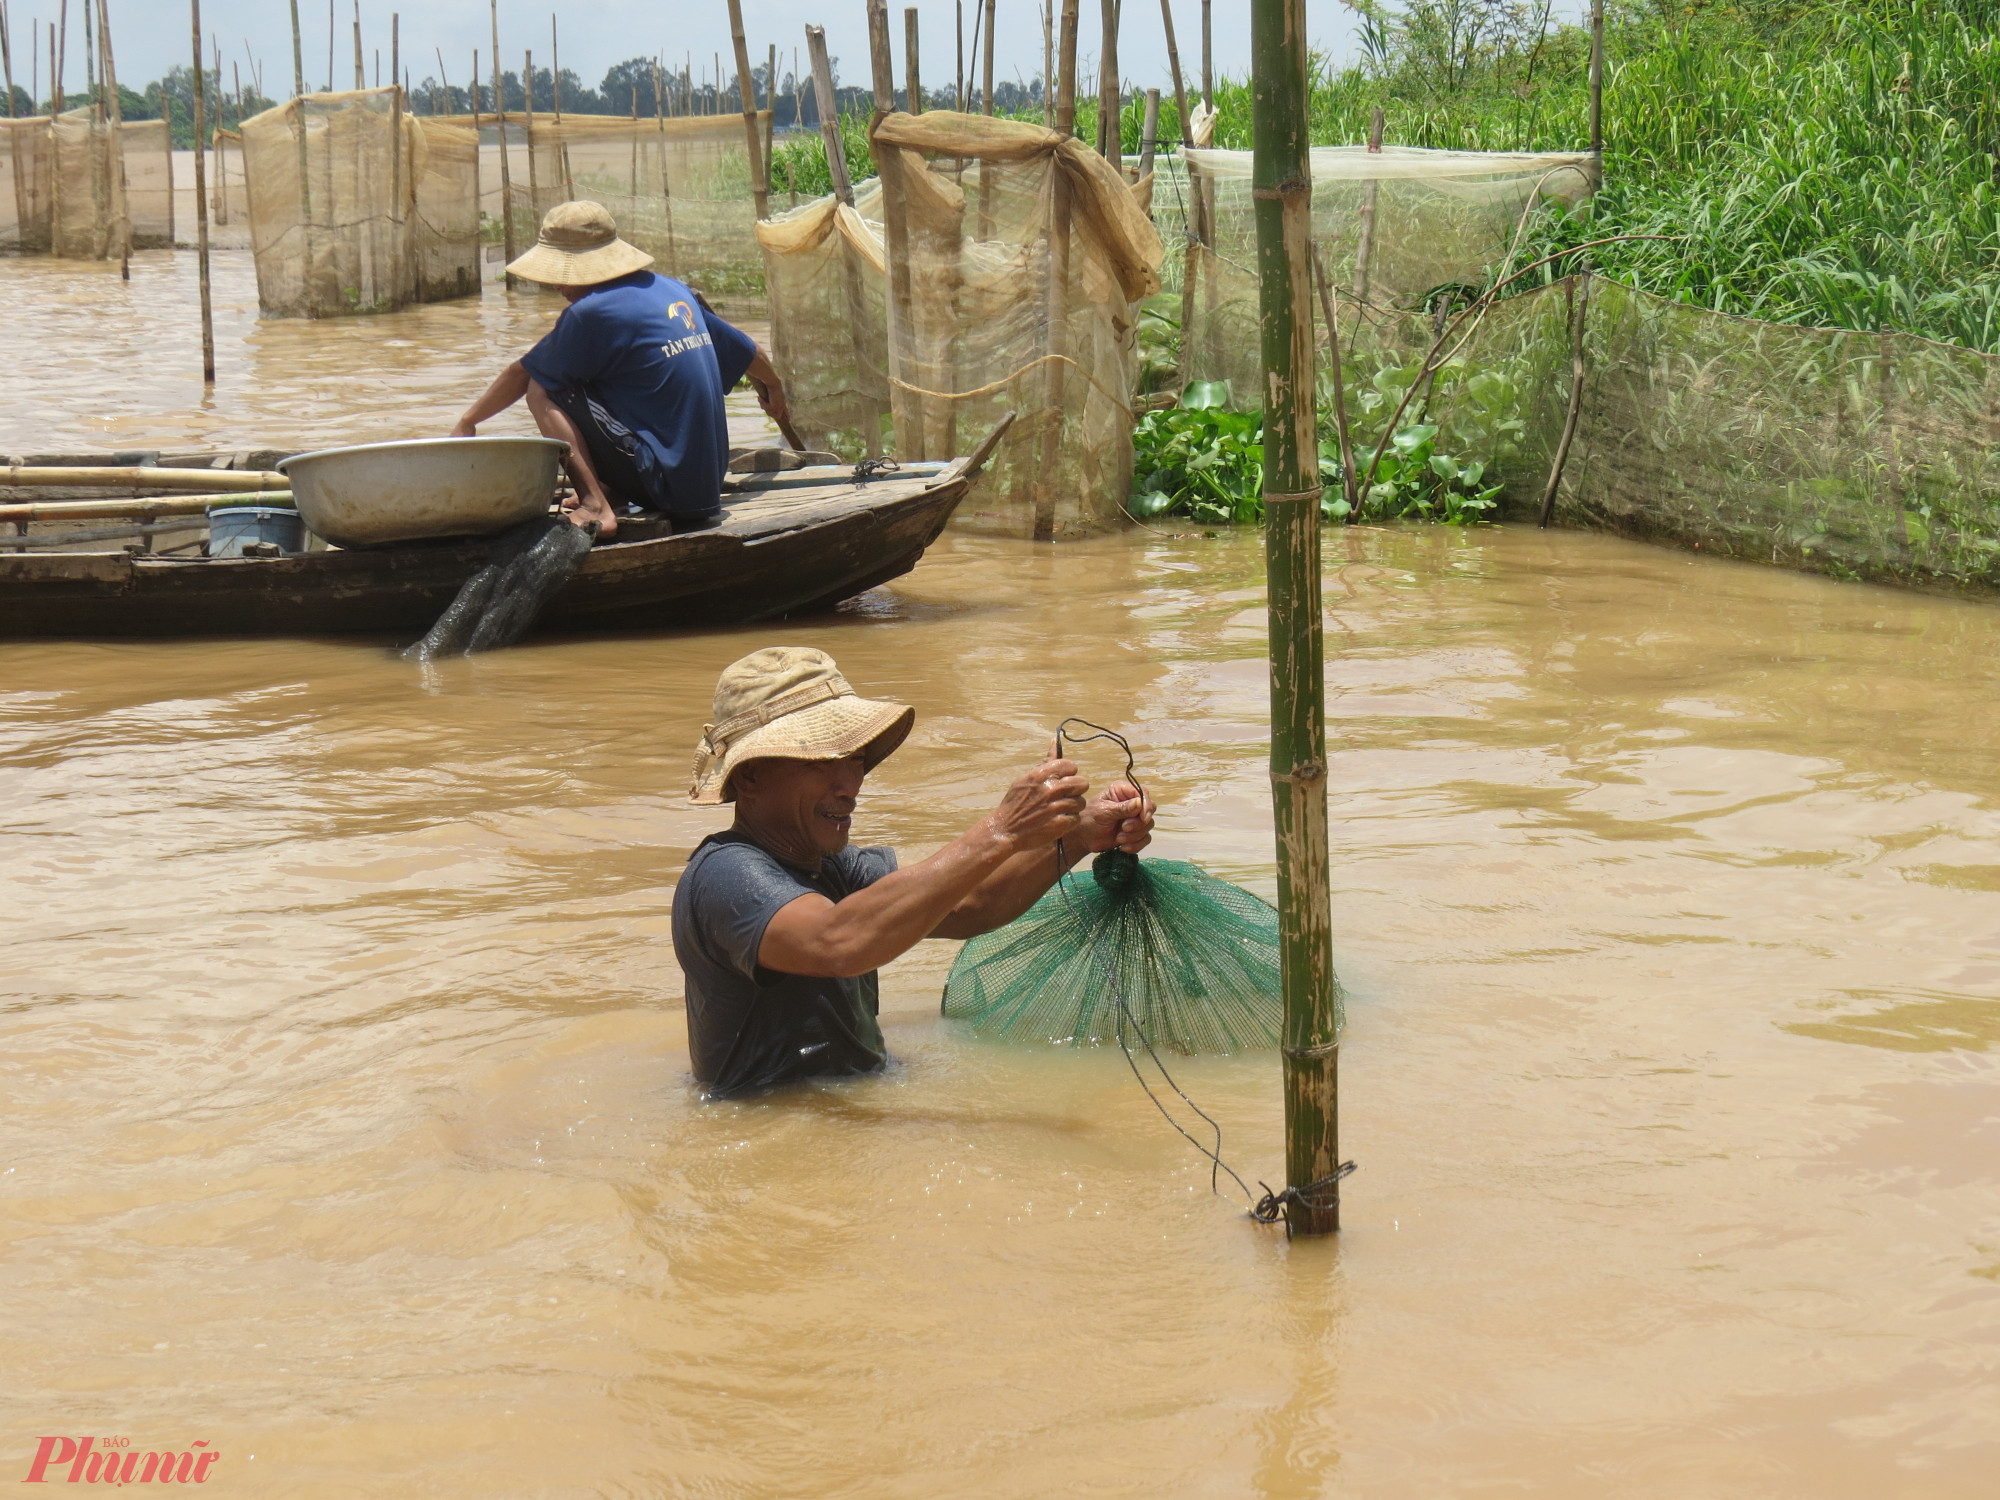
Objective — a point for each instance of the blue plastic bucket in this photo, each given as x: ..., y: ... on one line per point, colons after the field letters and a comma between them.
x: 232, y: 527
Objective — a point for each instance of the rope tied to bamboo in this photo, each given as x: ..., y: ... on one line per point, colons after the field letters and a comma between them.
x: 1319, y: 1196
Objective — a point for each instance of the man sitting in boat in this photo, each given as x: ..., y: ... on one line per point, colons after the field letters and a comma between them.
x: 780, y: 923
x: 631, y: 377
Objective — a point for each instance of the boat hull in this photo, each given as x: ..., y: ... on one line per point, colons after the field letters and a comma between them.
x: 789, y: 543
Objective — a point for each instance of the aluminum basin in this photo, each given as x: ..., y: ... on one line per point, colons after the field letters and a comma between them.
x: 380, y: 493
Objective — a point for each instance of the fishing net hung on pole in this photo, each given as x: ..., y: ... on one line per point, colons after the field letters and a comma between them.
x: 1138, y: 952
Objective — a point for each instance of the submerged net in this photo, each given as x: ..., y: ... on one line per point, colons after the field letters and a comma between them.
x: 500, y: 603
x: 1010, y: 262
x: 1395, y: 229
x: 83, y: 188
x: 358, y: 207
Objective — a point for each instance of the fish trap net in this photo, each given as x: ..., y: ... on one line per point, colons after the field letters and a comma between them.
x: 356, y: 206
x: 82, y: 188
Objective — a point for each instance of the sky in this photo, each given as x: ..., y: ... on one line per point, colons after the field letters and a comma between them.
x: 150, y: 36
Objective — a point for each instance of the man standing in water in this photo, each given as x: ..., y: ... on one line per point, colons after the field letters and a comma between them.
x: 631, y: 377
x: 780, y: 924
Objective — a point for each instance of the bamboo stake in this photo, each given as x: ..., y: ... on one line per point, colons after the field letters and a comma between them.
x: 142, y: 507
x: 986, y: 76
x: 958, y: 7
x: 1207, y: 59
x: 555, y: 66
x: 1283, y: 199
x: 1149, y: 132
x: 500, y: 112
x: 1110, y: 106
x: 109, y: 67
x: 911, y: 86
x: 1579, y: 313
x: 1174, y: 66
x: 1597, y: 81
x: 760, y: 188
x: 298, y: 56
x: 215, y: 163
x: 1329, y: 305
x: 666, y: 188
x: 1057, y: 314
x: 905, y: 420
x: 475, y: 88
x: 1049, y: 63
x: 771, y: 113
x: 7, y: 54
x: 528, y: 128
x: 130, y: 476
x: 360, y: 77
x: 1365, y: 250
x: 58, y: 59
x: 858, y: 320
x: 201, y: 206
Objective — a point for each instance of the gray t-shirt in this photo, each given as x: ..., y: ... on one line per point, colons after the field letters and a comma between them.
x: 750, y: 1027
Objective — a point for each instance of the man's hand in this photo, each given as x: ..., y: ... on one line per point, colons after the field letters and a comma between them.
x: 771, y: 396
x: 463, y: 428
x: 1120, y: 817
x: 1041, y: 806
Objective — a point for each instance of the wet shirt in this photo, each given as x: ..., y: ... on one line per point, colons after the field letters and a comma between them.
x: 750, y: 1027
x: 645, y: 350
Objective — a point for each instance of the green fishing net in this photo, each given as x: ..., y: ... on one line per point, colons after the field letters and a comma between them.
x: 1138, y: 951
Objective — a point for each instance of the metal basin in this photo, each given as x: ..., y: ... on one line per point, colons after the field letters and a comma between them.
x: 380, y: 493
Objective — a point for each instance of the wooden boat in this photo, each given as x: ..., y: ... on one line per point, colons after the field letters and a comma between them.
x: 789, y: 543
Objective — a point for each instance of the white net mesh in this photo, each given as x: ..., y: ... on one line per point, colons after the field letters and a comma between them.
x: 357, y: 207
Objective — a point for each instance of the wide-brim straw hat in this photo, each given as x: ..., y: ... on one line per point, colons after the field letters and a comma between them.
x: 790, y: 703
x: 579, y: 246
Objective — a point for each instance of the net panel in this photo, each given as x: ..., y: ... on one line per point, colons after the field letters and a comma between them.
x: 1154, y: 950
x: 357, y: 207
x: 1856, y: 454
x: 147, y: 147
x: 1393, y: 228
x: 827, y: 275
x: 1027, y: 257
x: 27, y: 158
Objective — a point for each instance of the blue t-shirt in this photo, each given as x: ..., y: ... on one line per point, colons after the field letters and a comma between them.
x: 659, y: 362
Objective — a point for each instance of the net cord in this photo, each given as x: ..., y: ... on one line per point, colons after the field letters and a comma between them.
x: 1270, y: 1208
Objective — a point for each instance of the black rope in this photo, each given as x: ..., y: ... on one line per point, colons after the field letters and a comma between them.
x: 868, y: 468
x: 1270, y: 1208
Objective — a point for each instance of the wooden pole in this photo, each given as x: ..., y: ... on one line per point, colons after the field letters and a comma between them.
x: 905, y: 416
x: 298, y: 55
x: 771, y: 112
x: 760, y: 187
x: 528, y: 129
x: 1329, y: 306
x: 1597, y: 81
x: 396, y: 49
x: 1579, y: 313
x: 828, y: 105
x: 986, y: 74
x: 506, y: 175
x: 1110, y: 93
x: 475, y: 88
x: 1049, y: 63
x: 108, y: 68
x: 958, y: 7
x: 1057, y: 295
x: 201, y: 205
x: 1207, y: 59
x: 1174, y: 66
x: 7, y: 54
x: 1365, y: 250
x: 360, y: 77
x: 1282, y: 190
x: 59, y: 59
x: 1149, y: 132
x: 329, y: 46
x: 912, y: 87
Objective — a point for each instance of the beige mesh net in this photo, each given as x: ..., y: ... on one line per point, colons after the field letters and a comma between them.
x: 85, y: 189
x: 827, y: 275
x: 679, y: 188
x: 1023, y: 258
x: 1393, y: 228
x: 1861, y: 455
x: 358, y: 207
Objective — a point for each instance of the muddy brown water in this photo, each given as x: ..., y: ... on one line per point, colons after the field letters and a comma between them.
x: 349, y: 1127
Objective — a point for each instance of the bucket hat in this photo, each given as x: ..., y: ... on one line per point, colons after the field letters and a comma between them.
x: 579, y: 246
x: 790, y: 703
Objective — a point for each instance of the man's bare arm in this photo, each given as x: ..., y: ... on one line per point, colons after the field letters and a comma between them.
x: 1119, y: 819
x: 509, y: 386
x: 813, y: 935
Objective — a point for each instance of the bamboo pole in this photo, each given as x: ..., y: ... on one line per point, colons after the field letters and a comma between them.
x: 829, y: 118
x: 7, y: 54
x: 1579, y: 314
x: 1597, y: 81
x: 770, y: 113
x: 1110, y: 105
x: 986, y: 75
x: 666, y: 187
x: 1329, y: 304
x: 555, y: 66
x: 201, y: 206
x: 500, y: 113
x: 1365, y: 250
x: 144, y: 507
x: 298, y: 55
x: 858, y: 319
x: 760, y: 187
x: 1283, y: 204
x: 329, y: 46
x: 1049, y: 63
x: 360, y: 77
x: 905, y: 418
x: 958, y: 7
x: 1057, y: 296
x: 912, y: 87
x: 1149, y: 132
x: 109, y: 69
x: 528, y: 129
x: 1174, y: 66
x: 58, y: 60
x: 1207, y: 59
x: 129, y: 476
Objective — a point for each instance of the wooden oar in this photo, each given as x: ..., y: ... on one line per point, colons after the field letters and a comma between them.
x: 211, y: 481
